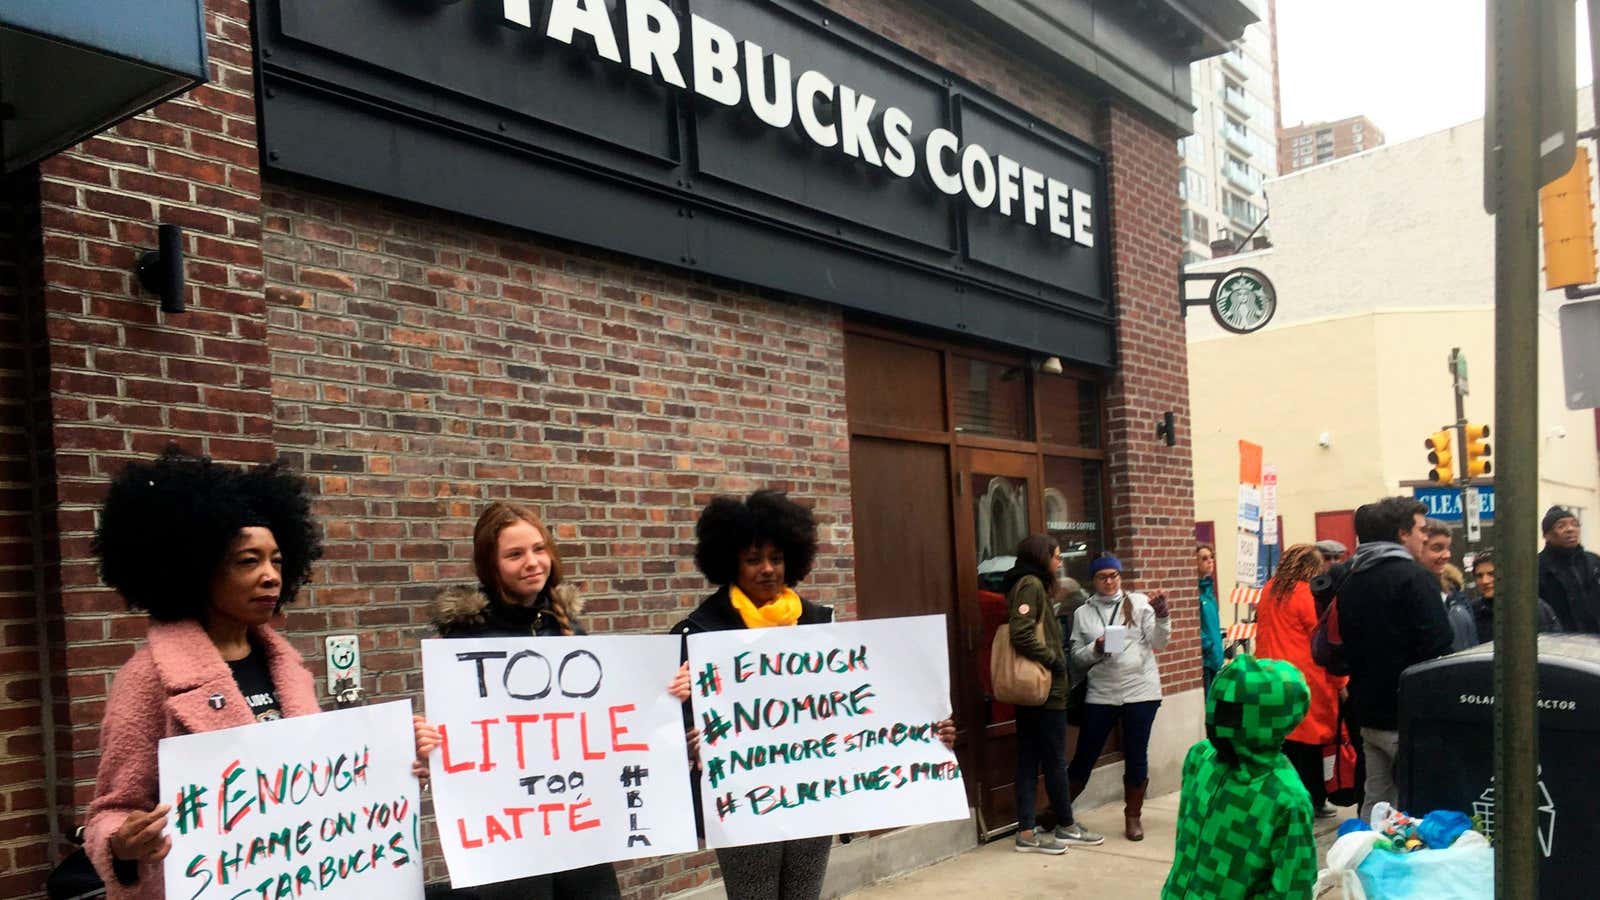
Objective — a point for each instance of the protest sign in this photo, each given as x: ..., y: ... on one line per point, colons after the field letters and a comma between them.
x: 823, y: 729
x: 322, y: 805
x: 558, y: 752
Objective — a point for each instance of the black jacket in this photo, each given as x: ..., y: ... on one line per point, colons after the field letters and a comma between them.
x: 716, y: 613
x: 1483, y: 617
x: 467, y: 612
x: 1390, y: 617
x: 1569, y: 580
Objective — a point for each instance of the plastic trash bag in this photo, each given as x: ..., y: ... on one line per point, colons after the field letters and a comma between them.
x: 1357, y: 871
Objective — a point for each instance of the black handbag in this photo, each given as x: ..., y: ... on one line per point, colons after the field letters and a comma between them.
x: 74, y: 877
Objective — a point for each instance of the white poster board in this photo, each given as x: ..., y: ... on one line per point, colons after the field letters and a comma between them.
x: 559, y: 753
x: 823, y: 729
x: 1269, y: 504
x: 1246, y: 560
x: 1249, y: 507
x: 322, y: 806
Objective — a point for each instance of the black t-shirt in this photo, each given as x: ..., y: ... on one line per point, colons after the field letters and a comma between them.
x: 255, y: 682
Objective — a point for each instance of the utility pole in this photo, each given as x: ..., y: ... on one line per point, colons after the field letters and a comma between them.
x: 1525, y: 141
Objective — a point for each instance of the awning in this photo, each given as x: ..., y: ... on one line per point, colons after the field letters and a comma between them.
x: 71, y: 68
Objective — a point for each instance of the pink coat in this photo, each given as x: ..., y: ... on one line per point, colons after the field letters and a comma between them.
x: 166, y: 690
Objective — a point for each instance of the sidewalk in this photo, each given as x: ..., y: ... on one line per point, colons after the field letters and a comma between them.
x: 1117, y: 868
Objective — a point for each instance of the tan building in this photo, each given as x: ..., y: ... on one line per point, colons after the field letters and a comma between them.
x: 1304, y: 145
x: 1382, y: 262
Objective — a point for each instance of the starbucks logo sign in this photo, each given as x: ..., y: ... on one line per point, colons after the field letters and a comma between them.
x: 1243, y: 300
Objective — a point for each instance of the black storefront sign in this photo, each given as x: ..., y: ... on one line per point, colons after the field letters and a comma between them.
x: 794, y: 151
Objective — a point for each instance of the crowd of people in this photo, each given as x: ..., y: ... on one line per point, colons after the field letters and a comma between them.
x: 1334, y: 636
x: 211, y: 553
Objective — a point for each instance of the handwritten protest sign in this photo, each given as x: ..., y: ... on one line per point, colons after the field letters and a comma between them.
x: 322, y: 805
x: 558, y: 752
x: 823, y: 729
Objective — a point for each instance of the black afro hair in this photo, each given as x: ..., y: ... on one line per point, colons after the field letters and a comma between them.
x: 728, y: 526
x: 166, y: 526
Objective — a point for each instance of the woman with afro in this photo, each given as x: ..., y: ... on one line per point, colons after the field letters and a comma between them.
x: 211, y: 553
x: 755, y: 551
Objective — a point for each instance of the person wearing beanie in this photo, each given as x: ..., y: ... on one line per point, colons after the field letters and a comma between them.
x: 1569, y: 576
x: 1115, y: 638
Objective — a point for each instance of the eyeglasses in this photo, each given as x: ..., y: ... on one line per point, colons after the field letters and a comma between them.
x: 1106, y: 576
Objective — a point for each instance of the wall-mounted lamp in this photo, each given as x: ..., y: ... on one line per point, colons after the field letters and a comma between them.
x: 1167, y: 429
x: 1050, y: 365
x: 161, y: 271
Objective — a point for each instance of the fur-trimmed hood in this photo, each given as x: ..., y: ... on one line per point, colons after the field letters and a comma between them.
x: 467, y: 611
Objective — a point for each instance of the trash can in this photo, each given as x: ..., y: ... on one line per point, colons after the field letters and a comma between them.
x: 1447, y: 751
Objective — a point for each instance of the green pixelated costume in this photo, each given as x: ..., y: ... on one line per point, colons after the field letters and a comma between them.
x: 1244, y: 819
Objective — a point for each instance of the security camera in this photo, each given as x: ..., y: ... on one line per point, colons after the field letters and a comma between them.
x: 1325, y: 440
x: 1558, y: 432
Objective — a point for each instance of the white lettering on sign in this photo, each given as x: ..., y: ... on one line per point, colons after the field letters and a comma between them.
x: 647, y: 36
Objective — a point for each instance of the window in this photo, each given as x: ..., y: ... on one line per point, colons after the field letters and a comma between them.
x: 990, y: 398
x: 1356, y: 128
x: 1192, y: 187
x: 1240, y: 209
x: 1195, y: 226
x: 1190, y: 257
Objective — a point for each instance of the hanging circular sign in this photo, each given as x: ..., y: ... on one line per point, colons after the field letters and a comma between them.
x: 1243, y: 300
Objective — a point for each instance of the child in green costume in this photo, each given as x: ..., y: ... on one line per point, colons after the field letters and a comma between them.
x: 1244, y: 818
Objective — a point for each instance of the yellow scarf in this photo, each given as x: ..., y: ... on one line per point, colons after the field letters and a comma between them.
x: 785, y: 610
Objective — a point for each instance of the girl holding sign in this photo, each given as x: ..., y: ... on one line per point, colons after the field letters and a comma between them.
x: 1116, y: 636
x: 520, y: 592
x: 755, y: 551
x: 211, y: 553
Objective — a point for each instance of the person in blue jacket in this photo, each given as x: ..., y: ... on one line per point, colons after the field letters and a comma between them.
x: 1205, y: 558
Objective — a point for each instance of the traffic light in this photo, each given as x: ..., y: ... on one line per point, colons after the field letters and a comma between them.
x: 1438, y: 445
x: 1568, y: 220
x: 1477, y: 449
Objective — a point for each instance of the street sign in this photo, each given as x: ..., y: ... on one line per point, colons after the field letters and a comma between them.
x: 1448, y: 505
x: 1580, y: 335
x: 1458, y: 370
x: 1474, y: 515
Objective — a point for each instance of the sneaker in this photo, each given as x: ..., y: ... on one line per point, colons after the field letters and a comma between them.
x: 1077, y: 834
x: 1040, y: 843
x: 1327, y: 812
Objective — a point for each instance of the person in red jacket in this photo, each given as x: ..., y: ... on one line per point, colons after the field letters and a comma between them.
x: 1284, y: 622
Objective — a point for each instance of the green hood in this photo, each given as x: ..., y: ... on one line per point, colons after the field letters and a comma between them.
x: 1253, y: 706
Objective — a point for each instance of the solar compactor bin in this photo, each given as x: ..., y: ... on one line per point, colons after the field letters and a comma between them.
x: 1447, y: 752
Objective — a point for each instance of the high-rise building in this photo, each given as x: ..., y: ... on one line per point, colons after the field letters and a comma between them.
x: 1305, y: 145
x: 1233, y: 149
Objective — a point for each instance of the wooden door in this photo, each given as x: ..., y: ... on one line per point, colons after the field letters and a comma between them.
x: 1336, y: 526
x: 997, y: 505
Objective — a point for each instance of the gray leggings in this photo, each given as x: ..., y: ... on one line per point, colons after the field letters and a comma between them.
x: 786, y: 870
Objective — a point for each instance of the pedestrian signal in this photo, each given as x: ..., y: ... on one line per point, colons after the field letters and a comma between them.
x: 1439, y: 455
x: 1477, y: 449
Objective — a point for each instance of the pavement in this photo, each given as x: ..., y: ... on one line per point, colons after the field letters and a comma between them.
x: 1117, y: 868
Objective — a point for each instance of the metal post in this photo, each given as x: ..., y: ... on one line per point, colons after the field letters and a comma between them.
x: 1513, y: 29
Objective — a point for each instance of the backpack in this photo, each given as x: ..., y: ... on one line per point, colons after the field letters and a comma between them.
x: 1327, y: 646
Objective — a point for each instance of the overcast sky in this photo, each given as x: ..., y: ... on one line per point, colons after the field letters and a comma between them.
x: 1412, y: 66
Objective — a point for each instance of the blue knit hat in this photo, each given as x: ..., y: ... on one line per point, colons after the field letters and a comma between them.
x: 1104, y: 563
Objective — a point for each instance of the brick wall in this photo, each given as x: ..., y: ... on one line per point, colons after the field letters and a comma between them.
x: 424, y: 365
x: 26, y: 826
x: 1151, y: 509
x: 418, y: 365
x: 125, y: 379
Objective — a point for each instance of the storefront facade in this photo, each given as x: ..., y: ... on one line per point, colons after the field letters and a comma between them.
x: 547, y: 265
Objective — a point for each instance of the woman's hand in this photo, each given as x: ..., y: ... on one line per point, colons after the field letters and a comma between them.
x: 427, y: 741
x: 1100, y: 645
x: 692, y: 736
x: 680, y: 684
x: 947, y: 732
x: 1158, y: 602
x: 141, y: 837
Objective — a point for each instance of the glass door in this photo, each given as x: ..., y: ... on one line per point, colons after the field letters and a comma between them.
x: 997, y: 499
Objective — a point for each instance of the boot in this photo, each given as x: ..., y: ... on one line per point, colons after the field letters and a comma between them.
x: 1133, y: 807
x: 1075, y: 787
